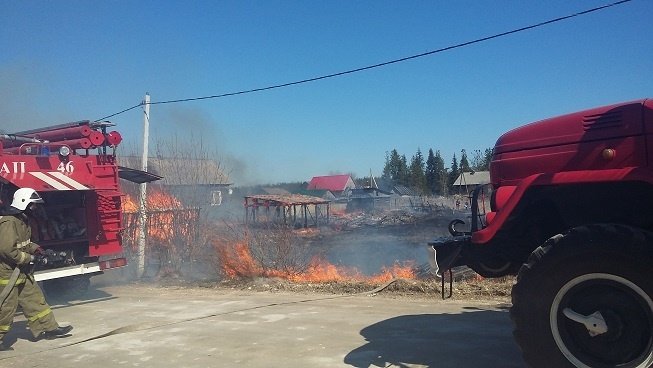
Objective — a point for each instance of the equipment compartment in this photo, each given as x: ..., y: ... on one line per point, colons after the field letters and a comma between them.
x: 61, y: 219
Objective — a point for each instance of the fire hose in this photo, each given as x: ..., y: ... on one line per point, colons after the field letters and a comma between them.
x: 10, y: 285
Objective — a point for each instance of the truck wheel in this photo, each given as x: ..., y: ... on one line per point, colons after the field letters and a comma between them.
x: 585, y: 299
x: 492, y: 268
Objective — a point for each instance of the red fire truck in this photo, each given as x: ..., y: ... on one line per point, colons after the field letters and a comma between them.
x: 73, y: 167
x: 570, y: 209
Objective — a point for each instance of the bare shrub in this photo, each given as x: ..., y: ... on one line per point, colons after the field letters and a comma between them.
x: 272, y: 251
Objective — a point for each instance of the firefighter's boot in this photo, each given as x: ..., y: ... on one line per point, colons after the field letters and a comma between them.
x: 5, y: 347
x: 61, y: 331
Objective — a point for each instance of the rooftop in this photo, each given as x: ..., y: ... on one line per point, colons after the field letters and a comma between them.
x: 286, y: 200
x: 331, y: 182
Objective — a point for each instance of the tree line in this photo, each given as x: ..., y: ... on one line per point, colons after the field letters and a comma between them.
x: 430, y: 176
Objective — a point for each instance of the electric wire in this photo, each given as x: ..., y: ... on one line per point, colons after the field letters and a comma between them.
x: 379, y: 65
x: 120, y: 112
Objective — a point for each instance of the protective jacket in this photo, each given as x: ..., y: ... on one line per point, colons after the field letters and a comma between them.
x: 16, y: 248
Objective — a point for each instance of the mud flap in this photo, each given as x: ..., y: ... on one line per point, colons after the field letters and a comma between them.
x: 446, y: 254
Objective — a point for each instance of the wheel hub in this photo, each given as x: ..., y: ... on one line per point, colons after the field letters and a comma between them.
x: 603, y: 320
x: 594, y: 323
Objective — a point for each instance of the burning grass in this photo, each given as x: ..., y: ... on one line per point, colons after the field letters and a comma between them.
x: 236, y: 261
x: 240, y: 268
x: 282, y: 259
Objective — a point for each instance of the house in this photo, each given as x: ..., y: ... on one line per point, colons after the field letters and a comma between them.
x: 467, y: 181
x: 404, y: 191
x: 397, y: 190
x: 368, y: 198
x: 339, y: 185
x: 197, y: 182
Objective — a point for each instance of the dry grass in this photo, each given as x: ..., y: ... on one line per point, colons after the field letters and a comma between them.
x: 283, y: 250
x: 473, y: 289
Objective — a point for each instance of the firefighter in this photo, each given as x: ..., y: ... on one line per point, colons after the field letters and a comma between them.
x: 17, y: 285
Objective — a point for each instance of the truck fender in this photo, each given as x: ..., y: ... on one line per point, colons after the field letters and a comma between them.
x: 562, y: 178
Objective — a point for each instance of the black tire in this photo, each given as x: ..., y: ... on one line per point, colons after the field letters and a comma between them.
x: 595, y: 268
x: 492, y: 268
x: 489, y: 262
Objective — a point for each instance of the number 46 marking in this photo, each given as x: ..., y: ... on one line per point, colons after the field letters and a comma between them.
x: 66, y: 167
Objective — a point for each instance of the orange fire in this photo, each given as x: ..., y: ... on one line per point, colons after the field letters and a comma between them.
x: 237, y: 261
x: 161, y: 224
x: 156, y: 200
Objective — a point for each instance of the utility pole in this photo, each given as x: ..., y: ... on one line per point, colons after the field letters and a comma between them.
x: 143, y: 189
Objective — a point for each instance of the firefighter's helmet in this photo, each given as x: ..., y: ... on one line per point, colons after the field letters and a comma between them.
x: 23, y: 197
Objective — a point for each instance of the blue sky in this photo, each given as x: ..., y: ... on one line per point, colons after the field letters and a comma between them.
x: 66, y: 60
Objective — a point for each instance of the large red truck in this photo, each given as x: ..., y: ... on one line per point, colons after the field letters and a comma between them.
x: 73, y: 167
x: 570, y: 210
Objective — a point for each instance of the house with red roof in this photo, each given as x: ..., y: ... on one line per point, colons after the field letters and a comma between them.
x: 336, y: 184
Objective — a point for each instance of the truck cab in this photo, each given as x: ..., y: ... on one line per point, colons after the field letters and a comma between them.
x: 551, y: 175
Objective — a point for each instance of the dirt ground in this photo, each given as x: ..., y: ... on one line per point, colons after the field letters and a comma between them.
x: 141, y: 325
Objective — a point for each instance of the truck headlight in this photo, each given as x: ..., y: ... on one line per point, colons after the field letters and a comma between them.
x: 64, y: 151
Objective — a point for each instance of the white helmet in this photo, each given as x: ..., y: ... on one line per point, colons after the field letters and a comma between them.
x: 23, y: 197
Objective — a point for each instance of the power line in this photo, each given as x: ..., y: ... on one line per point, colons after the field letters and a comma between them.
x: 386, y: 63
x: 120, y: 112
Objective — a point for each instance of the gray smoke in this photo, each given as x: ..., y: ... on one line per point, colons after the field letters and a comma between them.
x: 195, y: 126
x: 18, y: 110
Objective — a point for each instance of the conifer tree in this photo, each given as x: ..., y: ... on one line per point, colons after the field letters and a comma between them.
x: 453, y: 174
x: 464, y: 162
x: 481, y: 160
x: 416, y: 172
x: 441, y: 178
x: 393, y: 166
x: 488, y: 158
x: 431, y: 173
x: 403, y: 176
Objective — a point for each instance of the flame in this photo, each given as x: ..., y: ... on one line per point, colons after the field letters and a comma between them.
x: 396, y: 271
x: 156, y: 200
x: 128, y: 205
x: 245, y: 267
x: 237, y: 262
x: 163, y: 222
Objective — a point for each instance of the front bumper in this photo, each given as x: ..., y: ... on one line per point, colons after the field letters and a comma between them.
x: 445, y: 253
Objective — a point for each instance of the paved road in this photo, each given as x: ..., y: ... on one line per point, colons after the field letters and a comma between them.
x: 167, y: 328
